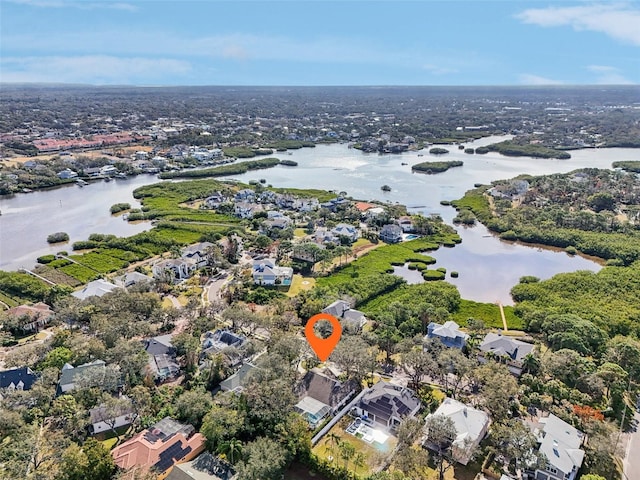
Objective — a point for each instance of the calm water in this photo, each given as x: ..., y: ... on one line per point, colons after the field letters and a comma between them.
x: 27, y: 219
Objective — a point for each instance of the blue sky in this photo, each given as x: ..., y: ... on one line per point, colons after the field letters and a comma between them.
x: 317, y: 42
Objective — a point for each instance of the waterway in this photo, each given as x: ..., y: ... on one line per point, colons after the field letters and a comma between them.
x: 488, y: 267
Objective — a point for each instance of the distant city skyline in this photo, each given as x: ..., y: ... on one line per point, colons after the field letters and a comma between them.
x: 317, y: 42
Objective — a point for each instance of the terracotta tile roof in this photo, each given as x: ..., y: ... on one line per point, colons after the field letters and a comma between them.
x: 364, y: 206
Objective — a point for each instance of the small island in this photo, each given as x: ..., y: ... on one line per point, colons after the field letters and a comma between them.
x: 385, y: 188
x: 510, y: 148
x: 58, y: 237
x: 629, y: 165
x: 438, y: 151
x: 436, y: 167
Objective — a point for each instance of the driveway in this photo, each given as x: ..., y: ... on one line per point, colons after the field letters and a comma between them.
x: 214, y: 288
x: 631, y: 464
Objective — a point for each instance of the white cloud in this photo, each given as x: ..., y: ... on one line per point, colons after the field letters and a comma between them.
x: 607, y: 75
x: 76, y: 4
x: 94, y: 69
x: 529, y: 79
x: 619, y: 21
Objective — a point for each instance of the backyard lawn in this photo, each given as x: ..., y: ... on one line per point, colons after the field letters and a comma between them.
x: 300, y: 283
x: 373, y: 452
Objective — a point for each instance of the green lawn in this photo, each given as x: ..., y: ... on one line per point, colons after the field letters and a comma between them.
x: 489, y: 313
x: 299, y: 233
x: 300, y: 283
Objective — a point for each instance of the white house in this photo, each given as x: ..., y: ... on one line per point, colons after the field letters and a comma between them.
x: 198, y: 252
x: 560, y: 443
x: 176, y: 268
x: 471, y: 427
x: 97, y: 288
x: 247, y: 210
x: 386, y: 404
x: 405, y: 223
x: 66, y: 174
x: 266, y: 272
x: 108, y: 170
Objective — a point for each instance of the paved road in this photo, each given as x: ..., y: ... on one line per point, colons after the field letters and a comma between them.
x: 213, y: 289
x: 631, y: 464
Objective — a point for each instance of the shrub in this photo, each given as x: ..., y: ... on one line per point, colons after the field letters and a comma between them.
x: 430, y: 275
x: 46, y: 259
x: 58, y: 237
x: 454, y: 274
x: 119, y: 207
x: 571, y: 250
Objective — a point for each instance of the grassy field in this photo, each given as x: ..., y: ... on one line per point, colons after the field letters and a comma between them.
x: 300, y: 283
x: 489, y: 313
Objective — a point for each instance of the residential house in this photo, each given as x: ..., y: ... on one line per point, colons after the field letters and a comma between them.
x: 108, y: 170
x: 92, y: 172
x: 21, y: 378
x: 205, y: 467
x: 103, y: 420
x: 324, y: 236
x: 335, y: 203
x: 448, y: 333
x: 160, y: 447
x: 320, y: 395
x: 174, y: 269
x: 386, y: 405
x: 198, y: 253
x: 511, y: 190
x: 507, y: 349
x: 215, y: 200
x: 130, y: 279
x: 67, y: 174
x: 344, y: 229
x: 97, y: 288
x: 391, y: 233
x: 246, y: 209
x: 560, y: 443
x: 374, y: 213
x: 306, y: 204
x: 32, y: 317
x: 246, y: 195
x: 351, y: 318
x: 237, y: 381
x: 266, y: 272
x: 280, y: 222
x: 471, y: 427
x: 71, y: 376
x: 162, y: 357
x: 215, y: 342
x: 406, y: 224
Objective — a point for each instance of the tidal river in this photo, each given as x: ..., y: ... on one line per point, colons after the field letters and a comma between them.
x: 488, y: 267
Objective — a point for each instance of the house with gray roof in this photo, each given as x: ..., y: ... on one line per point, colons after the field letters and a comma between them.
x: 346, y: 230
x: 102, y: 419
x: 560, y: 443
x: 237, y: 381
x: 507, y: 349
x: 162, y: 357
x: 351, y: 318
x: 471, y: 427
x: 386, y: 405
x: 130, y: 279
x: 391, y: 233
x: 198, y: 252
x: 70, y: 375
x: 204, y: 467
x: 174, y: 269
x: 448, y: 333
x: 321, y: 395
x: 97, y: 288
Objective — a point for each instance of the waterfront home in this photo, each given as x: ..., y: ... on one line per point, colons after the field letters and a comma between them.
x: 245, y: 195
x: 30, y: 318
x: 405, y: 223
x: 97, y: 288
x: 448, y: 333
x: 471, y: 427
x: 162, y: 357
x: 66, y: 174
x: 130, y: 279
x: 320, y: 395
x: 560, y: 443
x: 323, y: 236
x: 21, y: 378
x: 335, y: 203
x: 198, y: 252
x: 386, y: 405
x: 174, y: 269
x: 505, y: 349
x: 160, y: 447
x: 108, y: 170
x: 215, y: 200
x: 391, y: 233
x: 346, y: 230
x: 350, y: 318
x: 266, y: 272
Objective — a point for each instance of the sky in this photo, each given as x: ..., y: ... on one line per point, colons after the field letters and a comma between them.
x: 318, y: 42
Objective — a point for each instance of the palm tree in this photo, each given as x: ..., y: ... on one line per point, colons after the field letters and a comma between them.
x: 347, y: 451
x: 232, y: 449
x: 332, y: 440
x: 359, y: 460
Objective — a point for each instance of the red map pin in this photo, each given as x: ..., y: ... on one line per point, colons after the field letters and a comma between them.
x: 323, y: 346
